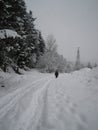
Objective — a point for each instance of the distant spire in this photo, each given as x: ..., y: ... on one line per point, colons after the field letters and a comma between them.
x: 78, y: 55
x: 77, y: 65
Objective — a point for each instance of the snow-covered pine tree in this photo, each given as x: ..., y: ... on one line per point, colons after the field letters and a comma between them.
x: 35, y: 43
x: 40, y: 45
x: 89, y: 65
x: 13, y: 16
x: 3, y: 14
x: 9, y: 45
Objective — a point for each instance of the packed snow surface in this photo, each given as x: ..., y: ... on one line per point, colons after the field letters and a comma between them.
x: 35, y: 101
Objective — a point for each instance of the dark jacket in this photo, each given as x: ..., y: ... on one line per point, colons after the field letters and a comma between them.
x: 56, y: 73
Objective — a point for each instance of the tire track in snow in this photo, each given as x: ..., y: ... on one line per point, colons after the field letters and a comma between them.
x: 33, y: 113
x: 6, y: 98
x: 43, y: 113
x: 58, y: 113
x: 7, y: 102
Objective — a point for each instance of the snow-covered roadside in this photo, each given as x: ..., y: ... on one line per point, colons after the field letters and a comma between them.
x: 23, y: 90
x: 81, y: 90
x: 36, y: 101
x: 12, y: 81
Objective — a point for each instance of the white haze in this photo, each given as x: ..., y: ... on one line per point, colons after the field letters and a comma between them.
x: 73, y: 23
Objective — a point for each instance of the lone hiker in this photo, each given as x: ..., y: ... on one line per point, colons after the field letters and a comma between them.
x: 56, y: 73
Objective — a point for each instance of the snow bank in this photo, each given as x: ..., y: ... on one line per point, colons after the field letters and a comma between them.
x: 8, y: 33
x: 86, y: 75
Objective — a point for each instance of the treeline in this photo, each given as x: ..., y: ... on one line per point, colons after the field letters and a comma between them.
x: 22, y: 45
x: 51, y: 60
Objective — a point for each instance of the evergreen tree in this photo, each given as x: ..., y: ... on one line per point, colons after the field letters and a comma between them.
x: 40, y: 44
x: 89, y: 65
x: 25, y: 50
x: 34, y: 40
x: 5, y: 48
x: 12, y: 15
x: 3, y: 14
x: 95, y: 65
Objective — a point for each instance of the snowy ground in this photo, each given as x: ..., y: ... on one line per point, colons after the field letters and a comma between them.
x: 36, y: 101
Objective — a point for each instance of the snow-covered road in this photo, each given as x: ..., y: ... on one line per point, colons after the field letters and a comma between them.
x: 36, y: 101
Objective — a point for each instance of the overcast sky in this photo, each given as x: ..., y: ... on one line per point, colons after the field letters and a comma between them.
x: 74, y: 23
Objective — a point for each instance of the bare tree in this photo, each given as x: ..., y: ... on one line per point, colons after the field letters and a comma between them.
x: 51, y: 43
x: 51, y: 60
